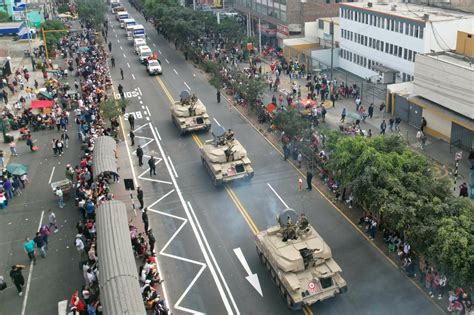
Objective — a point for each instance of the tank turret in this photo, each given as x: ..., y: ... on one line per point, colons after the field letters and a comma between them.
x: 189, y: 114
x: 225, y: 158
x: 299, y: 261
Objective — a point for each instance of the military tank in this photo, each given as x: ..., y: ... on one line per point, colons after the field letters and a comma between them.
x: 189, y: 114
x: 225, y: 158
x: 299, y: 261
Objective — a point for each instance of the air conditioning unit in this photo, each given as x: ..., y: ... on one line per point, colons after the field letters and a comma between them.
x: 426, y: 17
x: 394, y: 7
x: 369, y: 4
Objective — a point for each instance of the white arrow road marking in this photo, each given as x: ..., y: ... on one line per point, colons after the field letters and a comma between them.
x: 157, y: 133
x: 167, y: 61
x: 252, y: 278
x: 278, y: 196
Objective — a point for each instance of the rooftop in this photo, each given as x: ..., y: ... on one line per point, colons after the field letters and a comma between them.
x: 410, y: 10
x: 454, y: 59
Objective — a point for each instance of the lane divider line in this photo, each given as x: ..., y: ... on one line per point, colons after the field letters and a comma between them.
x: 278, y: 196
x: 189, y: 88
x: 175, y: 71
x: 195, y: 231
x: 128, y: 65
x: 172, y: 167
x: 51, y: 176
x: 167, y: 61
x: 133, y: 76
x: 217, y: 122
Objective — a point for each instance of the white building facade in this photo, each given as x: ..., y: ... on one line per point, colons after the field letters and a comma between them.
x: 391, y: 35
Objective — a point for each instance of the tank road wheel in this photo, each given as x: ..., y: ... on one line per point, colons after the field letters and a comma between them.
x: 282, y: 289
x: 289, y: 301
x: 260, y: 256
x: 202, y: 161
x: 267, y: 264
x: 272, y: 272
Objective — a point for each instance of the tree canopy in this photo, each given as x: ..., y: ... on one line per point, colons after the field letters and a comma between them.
x: 92, y: 11
x: 52, y: 38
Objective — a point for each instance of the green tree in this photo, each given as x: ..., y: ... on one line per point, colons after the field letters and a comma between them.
x: 250, y: 89
x: 291, y: 122
x: 92, y: 11
x: 52, y: 38
x: 4, y: 17
x: 109, y: 109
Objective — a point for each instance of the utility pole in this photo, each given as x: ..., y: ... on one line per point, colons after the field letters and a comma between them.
x: 259, y: 37
x: 331, y: 31
x: 194, y: 5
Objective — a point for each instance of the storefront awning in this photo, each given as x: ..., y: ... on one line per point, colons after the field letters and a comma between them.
x: 118, y: 277
x: 105, y: 160
x: 41, y: 104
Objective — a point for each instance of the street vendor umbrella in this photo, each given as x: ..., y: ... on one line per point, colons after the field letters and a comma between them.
x: 270, y: 107
x: 17, y: 169
x: 354, y: 116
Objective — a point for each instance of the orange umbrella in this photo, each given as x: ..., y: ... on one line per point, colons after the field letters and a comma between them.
x: 270, y: 107
x: 307, y: 102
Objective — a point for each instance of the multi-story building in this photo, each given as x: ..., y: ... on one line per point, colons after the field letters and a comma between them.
x: 462, y: 5
x: 280, y: 19
x: 380, y: 40
x: 442, y: 93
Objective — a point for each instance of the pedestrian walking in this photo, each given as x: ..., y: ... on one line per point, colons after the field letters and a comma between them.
x: 17, y: 278
x: 145, y: 218
x: 60, y: 195
x: 121, y: 72
x: 79, y: 243
x: 299, y: 159
x: 13, y: 148
x: 309, y: 178
x: 65, y: 139
x: 151, y: 164
x: 343, y: 115
x: 131, y: 120
x: 383, y: 126
x: 40, y: 244
x: 371, y: 110
x: 29, y: 249
x: 423, y: 124
x: 110, y: 46
x: 140, y: 155
x: 112, y: 60
x: 151, y: 241
x: 218, y: 96
x: 398, y: 120
x: 358, y: 102
x: 419, y: 136
x: 54, y: 147
x: 59, y: 147
x: 391, y: 121
x: 132, y: 138
x: 52, y: 221
x: 140, y: 197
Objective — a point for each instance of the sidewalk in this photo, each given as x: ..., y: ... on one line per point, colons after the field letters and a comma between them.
x: 436, y: 150
x: 12, y: 99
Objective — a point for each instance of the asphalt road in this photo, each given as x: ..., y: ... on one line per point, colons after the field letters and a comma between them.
x: 198, y: 226
x: 54, y: 278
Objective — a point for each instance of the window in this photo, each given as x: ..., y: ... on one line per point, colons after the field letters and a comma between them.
x: 396, y: 26
x: 405, y: 53
x: 391, y: 49
x: 407, y: 27
x: 370, y: 41
x: 416, y: 31
x: 410, y: 52
x: 421, y: 32
x: 414, y: 56
x: 412, y: 28
x: 321, y: 24
x: 400, y: 51
x: 402, y: 25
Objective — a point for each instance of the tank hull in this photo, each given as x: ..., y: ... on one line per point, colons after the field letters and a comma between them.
x: 191, y: 124
x: 303, y: 287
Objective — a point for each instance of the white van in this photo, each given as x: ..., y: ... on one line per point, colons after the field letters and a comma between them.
x: 137, y: 43
x: 144, y: 52
x: 126, y: 22
x: 121, y: 15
